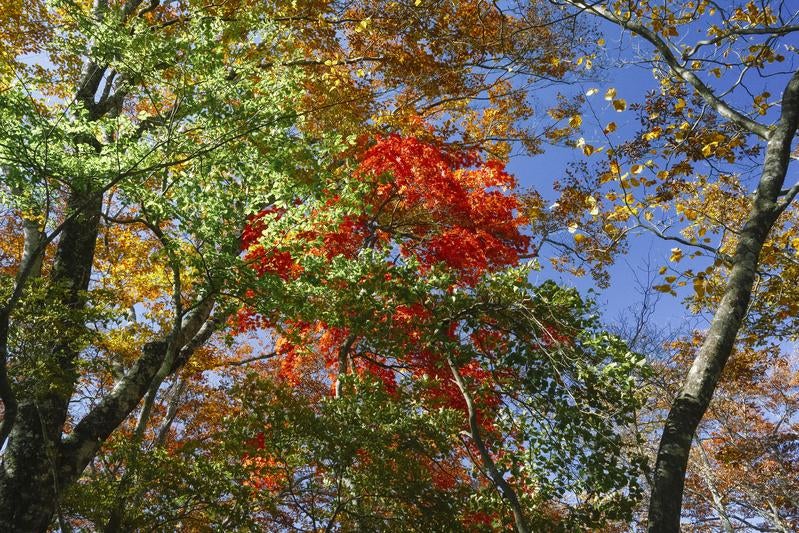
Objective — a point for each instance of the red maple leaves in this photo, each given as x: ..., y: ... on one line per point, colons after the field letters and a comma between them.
x: 445, y: 207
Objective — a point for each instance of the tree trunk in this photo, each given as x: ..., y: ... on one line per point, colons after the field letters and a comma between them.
x: 694, y: 397
x: 497, y: 478
x: 29, y: 481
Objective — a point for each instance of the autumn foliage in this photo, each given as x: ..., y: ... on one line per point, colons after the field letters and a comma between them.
x: 264, y: 267
x: 450, y: 222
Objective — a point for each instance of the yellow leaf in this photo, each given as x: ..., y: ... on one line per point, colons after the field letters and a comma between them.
x: 610, y: 94
x: 579, y: 237
x: 592, y: 203
x: 600, y: 41
x: 588, y: 149
x: 591, y: 92
x: 652, y: 135
x: 610, y: 128
x: 676, y: 255
x: 680, y: 105
x: 662, y: 270
x: 576, y: 121
x: 572, y: 227
x: 699, y: 287
x: 671, y: 279
x: 620, y: 105
x: 636, y: 169
x: 662, y: 288
x: 707, y: 149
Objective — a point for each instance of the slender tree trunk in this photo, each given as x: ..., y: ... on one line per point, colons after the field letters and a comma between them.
x: 494, y: 474
x: 694, y: 397
x: 718, y: 501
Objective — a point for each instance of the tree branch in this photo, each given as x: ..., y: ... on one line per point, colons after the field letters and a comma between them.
x: 80, y: 446
x: 496, y: 477
x: 719, y: 105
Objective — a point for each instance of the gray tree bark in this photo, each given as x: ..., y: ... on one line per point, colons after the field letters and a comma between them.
x: 29, y: 480
x: 769, y: 201
x: 694, y: 397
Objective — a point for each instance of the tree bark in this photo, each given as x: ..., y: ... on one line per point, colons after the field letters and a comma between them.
x: 494, y: 474
x: 29, y: 481
x: 694, y: 397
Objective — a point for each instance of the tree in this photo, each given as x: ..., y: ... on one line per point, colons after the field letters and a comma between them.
x: 350, y: 410
x: 136, y: 143
x: 415, y: 293
x: 710, y: 108
x: 147, y: 136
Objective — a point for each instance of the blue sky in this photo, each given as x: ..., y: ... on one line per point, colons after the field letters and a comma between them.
x: 619, y: 69
x: 540, y: 171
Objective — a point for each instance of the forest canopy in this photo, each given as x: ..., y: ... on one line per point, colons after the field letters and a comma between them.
x: 306, y: 266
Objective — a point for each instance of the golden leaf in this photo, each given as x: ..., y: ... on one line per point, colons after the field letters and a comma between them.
x: 699, y: 287
x: 652, y: 135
